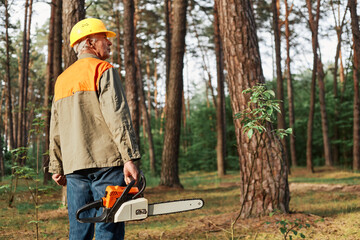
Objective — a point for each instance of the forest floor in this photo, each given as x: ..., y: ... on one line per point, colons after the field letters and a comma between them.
x: 324, y: 205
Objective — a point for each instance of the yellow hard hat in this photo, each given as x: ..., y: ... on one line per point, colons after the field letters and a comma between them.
x: 87, y: 27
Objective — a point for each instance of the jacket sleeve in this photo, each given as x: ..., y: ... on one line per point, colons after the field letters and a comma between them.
x: 55, y: 163
x: 115, y: 111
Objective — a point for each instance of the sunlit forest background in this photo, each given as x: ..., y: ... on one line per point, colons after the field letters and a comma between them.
x: 198, y: 135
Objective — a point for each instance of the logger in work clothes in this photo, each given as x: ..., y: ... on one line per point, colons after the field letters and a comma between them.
x: 92, y: 141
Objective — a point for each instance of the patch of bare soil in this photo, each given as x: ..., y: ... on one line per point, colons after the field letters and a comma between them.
x: 53, y: 214
x: 304, y: 187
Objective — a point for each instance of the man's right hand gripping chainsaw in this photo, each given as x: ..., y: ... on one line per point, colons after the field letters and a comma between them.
x: 126, y: 204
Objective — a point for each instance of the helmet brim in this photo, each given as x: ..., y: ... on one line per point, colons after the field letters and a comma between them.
x: 109, y: 34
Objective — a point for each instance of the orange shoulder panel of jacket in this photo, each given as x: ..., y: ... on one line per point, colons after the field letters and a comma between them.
x: 83, y: 75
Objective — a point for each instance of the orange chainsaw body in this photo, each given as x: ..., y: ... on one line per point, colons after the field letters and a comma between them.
x: 112, y: 193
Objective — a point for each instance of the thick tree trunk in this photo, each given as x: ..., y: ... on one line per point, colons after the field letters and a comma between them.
x: 279, y: 79
x: 264, y: 175
x: 170, y: 154
x: 130, y: 67
x: 220, y: 99
x: 73, y: 12
x: 290, y: 88
x: 356, y: 74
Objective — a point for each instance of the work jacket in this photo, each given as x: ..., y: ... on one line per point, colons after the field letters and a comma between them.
x: 90, y: 120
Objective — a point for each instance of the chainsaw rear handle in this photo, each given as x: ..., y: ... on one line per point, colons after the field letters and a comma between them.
x: 108, y: 213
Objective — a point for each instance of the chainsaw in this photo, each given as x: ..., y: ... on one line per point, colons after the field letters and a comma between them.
x: 121, y: 204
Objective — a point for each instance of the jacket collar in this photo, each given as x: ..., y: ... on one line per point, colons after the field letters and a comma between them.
x: 87, y: 55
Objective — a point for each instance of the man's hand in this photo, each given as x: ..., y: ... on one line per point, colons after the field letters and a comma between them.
x: 59, y: 179
x: 131, y: 172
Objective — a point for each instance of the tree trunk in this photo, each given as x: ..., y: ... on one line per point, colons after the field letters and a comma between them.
x: 264, y: 175
x: 220, y: 98
x: 130, y: 67
x: 279, y: 79
x: 356, y: 74
x: 167, y: 12
x: 22, y: 101
x: 290, y: 88
x: 73, y: 12
x: 25, y: 140
x: 146, y: 117
x: 324, y: 121
x: 57, y: 43
x: 314, y: 32
x: 118, y: 37
x: 148, y: 83
x: 48, y: 90
x: 170, y: 154
x: 155, y: 91
x: 339, y: 30
x: 317, y: 70
x: 8, y: 101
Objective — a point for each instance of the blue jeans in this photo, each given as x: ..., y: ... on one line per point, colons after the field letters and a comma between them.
x: 86, y: 186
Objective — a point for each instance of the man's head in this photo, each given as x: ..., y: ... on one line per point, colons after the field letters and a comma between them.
x: 91, y: 36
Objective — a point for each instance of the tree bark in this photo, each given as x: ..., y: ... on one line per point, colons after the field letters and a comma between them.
x: 73, y: 12
x: 220, y: 99
x: 339, y: 29
x: 313, y: 23
x: 130, y: 67
x: 264, y: 175
x: 318, y: 72
x: 141, y: 92
x: 290, y: 88
x: 22, y: 77
x: 167, y: 12
x: 279, y: 79
x: 8, y: 101
x: 170, y: 154
x: 25, y: 125
x: 118, y: 37
x: 58, y: 43
x: 324, y: 121
x: 356, y: 74
x: 48, y: 90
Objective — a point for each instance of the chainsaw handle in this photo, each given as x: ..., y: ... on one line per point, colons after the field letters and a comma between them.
x: 97, y: 204
x: 143, y: 185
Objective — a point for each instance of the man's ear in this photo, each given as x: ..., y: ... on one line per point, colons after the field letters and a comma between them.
x: 89, y: 42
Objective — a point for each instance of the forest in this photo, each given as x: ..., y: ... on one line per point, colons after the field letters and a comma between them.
x: 253, y: 95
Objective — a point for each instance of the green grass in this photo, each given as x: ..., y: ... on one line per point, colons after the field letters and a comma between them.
x: 339, y: 210
x: 347, y: 181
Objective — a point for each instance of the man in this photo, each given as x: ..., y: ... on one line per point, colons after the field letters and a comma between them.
x: 92, y: 141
